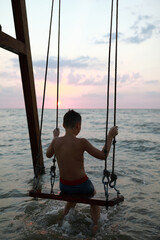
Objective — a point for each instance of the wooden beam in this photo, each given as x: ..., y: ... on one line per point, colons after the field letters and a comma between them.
x: 11, y: 44
x: 77, y: 199
x: 22, y: 35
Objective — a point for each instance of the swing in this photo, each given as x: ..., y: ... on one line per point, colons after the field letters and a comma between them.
x: 109, y: 180
x: 77, y: 198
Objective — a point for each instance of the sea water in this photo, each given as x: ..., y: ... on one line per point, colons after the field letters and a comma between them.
x: 137, y: 165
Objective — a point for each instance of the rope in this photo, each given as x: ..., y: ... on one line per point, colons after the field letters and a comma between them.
x: 115, y: 85
x: 53, y: 167
x: 38, y: 167
x: 106, y: 173
x: 58, y: 58
x: 108, y: 85
x: 46, y: 69
x: 110, y: 179
x: 113, y: 175
x: 113, y: 180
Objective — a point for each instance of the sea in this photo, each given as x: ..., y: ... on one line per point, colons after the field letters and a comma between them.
x: 137, y: 165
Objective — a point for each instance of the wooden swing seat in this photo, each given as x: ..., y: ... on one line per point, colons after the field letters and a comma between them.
x: 77, y: 198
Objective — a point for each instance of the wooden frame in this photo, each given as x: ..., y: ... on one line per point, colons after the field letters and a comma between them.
x: 21, y: 46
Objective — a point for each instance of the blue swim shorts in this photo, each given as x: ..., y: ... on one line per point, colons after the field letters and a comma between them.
x: 84, y: 186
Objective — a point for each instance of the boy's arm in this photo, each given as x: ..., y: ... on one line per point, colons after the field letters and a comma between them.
x: 100, y: 154
x: 50, y: 149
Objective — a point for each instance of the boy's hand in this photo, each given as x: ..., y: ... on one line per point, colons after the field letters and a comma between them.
x: 113, y: 131
x: 56, y: 132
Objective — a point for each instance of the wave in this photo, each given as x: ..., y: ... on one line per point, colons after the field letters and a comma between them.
x: 96, y: 140
x: 14, y: 193
x: 138, y: 145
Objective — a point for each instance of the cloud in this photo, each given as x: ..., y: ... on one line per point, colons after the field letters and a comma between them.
x: 136, y: 75
x: 125, y: 78
x: 142, y: 30
x: 90, y: 100
x: 11, y: 97
x: 80, y: 62
x: 152, y: 82
x: 105, y: 38
x: 96, y: 79
x: 11, y: 71
x: 15, y: 62
x: 141, y: 34
x: 6, y: 75
x: 85, y: 80
x: 124, y: 100
x: 9, y: 75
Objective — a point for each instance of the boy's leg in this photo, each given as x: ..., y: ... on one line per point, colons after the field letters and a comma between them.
x: 67, y: 207
x: 95, y: 215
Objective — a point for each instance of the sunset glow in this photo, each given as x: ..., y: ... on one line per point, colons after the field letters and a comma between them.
x: 84, y: 54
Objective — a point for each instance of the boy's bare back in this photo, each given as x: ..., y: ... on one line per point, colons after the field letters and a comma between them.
x: 69, y: 152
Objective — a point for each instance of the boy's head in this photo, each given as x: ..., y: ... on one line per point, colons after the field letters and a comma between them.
x: 71, y: 118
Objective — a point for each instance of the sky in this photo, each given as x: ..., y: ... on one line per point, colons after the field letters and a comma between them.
x: 85, y: 26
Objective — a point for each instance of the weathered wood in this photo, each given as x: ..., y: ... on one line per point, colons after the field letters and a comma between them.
x: 77, y: 199
x: 22, y: 35
x: 11, y: 44
x: 21, y: 46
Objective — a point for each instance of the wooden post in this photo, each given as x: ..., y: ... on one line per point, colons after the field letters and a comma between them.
x: 21, y: 46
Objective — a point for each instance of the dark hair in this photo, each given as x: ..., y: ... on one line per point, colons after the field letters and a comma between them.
x: 71, y: 118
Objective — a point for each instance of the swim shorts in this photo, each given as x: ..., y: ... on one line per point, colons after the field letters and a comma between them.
x: 81, y: 186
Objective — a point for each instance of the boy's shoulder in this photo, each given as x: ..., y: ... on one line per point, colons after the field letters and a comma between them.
x: 83, y: 141
x: 57, y: 140
x: 63, y: 139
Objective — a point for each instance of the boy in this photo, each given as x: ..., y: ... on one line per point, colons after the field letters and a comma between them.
x: 69, y: 151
